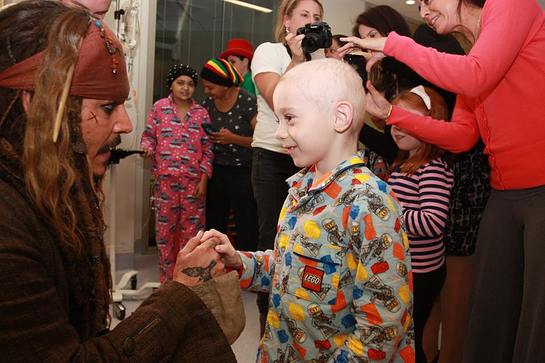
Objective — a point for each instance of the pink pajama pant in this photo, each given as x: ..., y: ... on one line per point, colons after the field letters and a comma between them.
x: 178, y: 217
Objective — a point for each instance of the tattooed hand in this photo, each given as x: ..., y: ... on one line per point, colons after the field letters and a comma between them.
x: 198, y: 262
x: 202, y: 273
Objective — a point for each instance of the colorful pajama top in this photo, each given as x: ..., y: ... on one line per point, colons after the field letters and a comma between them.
x: 180, y: 147
x: 339, y: 276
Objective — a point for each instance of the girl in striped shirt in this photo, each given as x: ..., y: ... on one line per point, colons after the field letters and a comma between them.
x: 422, y: 181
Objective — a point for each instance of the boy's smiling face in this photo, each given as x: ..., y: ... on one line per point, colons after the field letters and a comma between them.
x: 316, y: 104
x: 304, y: 129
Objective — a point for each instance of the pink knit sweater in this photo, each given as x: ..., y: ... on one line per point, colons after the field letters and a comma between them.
x: 501, y: 92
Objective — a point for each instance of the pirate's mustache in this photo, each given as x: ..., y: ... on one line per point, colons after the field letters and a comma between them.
x: 110, y: 145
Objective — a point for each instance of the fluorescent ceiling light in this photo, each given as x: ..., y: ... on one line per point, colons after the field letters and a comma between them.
x: 410, y: 2
x: 248, y: 5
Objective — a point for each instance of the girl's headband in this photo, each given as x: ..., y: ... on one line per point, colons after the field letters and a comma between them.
x: 420, y: 91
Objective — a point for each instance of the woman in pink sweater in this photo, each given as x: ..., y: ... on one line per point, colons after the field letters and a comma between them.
x: 500, y: 86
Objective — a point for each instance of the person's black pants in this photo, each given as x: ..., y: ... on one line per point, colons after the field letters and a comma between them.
x: 230, y: 188
x: 426, y: 289
x: 269, y: 173
x: 507, y: 314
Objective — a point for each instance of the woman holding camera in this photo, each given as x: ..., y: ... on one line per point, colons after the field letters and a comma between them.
x: 500, y: 79
x: 271, y: 165
x: 232, y: 113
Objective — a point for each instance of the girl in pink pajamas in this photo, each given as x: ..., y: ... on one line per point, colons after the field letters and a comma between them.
x: 182, y: 163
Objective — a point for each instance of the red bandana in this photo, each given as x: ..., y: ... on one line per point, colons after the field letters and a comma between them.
x: 100, y: 71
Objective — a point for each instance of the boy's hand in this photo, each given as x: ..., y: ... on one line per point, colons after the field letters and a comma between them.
x: 229, y: 255
x: 198, y: 262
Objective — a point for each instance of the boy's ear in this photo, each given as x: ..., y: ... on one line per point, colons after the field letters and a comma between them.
x: 343, y: 116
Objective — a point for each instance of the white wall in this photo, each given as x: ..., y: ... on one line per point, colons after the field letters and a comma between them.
x: 126, y: 198
x: 341, y: 14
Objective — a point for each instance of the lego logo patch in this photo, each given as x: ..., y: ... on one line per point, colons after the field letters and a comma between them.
x: 312, y: 278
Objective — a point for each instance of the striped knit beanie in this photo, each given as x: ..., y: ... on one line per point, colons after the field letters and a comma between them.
x: 220, y: 71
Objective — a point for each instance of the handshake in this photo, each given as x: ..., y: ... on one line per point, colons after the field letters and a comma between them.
x: 201, y: 266
x: 204, y: 257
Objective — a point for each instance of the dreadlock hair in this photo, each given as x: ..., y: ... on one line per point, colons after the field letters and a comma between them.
x: 58, y: 180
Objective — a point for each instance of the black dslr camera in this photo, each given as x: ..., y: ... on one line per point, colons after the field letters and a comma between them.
x: 317, y: 35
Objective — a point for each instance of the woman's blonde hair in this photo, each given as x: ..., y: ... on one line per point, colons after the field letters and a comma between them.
x: 286, y: 8
x: 426, y: 152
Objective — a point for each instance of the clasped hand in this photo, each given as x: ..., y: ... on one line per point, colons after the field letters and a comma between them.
x: 205, y: 257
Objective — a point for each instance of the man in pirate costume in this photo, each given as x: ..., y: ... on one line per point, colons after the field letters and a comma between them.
x: 63, y: 84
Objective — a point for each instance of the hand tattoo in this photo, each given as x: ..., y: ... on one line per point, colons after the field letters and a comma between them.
x: 202, y: 273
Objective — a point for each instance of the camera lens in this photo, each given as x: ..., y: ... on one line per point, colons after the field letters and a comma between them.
x: 311, y: 42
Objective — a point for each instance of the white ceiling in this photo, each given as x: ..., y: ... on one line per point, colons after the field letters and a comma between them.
x: 411, y: 11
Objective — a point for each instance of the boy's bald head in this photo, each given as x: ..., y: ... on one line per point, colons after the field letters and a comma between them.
x: 325, y: 82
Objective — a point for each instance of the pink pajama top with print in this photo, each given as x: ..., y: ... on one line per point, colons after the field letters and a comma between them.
x: 179, y: 147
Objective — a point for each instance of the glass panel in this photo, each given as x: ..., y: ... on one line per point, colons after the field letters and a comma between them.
x: 193, y: 31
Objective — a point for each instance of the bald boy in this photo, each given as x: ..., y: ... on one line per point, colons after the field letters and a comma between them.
x: 339, y: 276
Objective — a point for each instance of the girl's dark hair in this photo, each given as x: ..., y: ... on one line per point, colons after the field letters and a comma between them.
x: 446, y: 43
x: 383, y: 18
x: 337, y: 38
